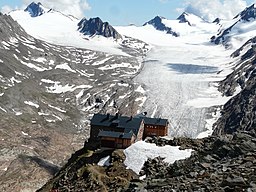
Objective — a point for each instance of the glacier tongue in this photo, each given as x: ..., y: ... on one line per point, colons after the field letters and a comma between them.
x: 179, y: 77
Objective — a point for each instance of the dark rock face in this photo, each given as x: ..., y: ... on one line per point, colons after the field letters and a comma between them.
x: 159, y: 25
x: 239, y: 112
x: 248, y: 14
x: 217, y: 21
x: 222, y: 36
x: 95, y: 26
x: 183, y: 18
x: 35, y: 9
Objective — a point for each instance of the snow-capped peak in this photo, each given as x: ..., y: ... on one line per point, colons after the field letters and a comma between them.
x: 190, y: 19
x: 247, y: 14
x: 158, y: 24
x: 36, y: 9
x: 95, y: 26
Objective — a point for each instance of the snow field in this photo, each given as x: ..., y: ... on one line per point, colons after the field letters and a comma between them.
x: 62, y: 30
x: 179, y: 75
x: 138, y: 153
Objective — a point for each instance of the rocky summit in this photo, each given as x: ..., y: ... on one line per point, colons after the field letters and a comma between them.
x: 95, y: 26
x: 159, y: 25
x: 35, y: 9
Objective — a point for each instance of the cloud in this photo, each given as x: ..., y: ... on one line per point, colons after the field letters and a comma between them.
x: 6, y: 9
x: 72, y: 7
x: 210, y: 10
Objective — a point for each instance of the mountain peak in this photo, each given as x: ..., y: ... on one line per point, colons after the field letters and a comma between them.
x: 248, y: 13
x: 95, y: 26
x: 183, y: 18
x: 35, y: 9
x: 158, y: 24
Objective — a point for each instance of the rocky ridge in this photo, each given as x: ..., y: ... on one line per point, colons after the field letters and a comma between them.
x: 224, y: 35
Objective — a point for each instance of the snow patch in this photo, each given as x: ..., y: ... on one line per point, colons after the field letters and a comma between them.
x: 209, y: 125
x: 65, y: 66
x: 57, y: 108
x: 3, y: 109
x: 57, y: 88
x: 40, y: 60
x: 31, y: 104
x: 142, y: 99
x: 114, y: 66
x: 140, y: 90
x: 105, y: 161
x: 13, y: 80
x: 138, y: 153
x: 23, y: 133
x: 48, y: 81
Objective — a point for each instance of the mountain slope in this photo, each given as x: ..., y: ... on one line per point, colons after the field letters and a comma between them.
x: 47, y: 96
x: 238, y: 114
x: 237, y: 31
x: 67, y: 30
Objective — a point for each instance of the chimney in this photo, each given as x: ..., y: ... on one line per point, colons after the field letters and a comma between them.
x: 116, y: 117
x: 130, y: 119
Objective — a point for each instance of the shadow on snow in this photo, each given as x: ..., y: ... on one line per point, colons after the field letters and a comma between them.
x: 192, y: 69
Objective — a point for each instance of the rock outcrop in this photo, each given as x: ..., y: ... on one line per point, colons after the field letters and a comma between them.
x: 35, y: 9
x: 95, y: 26
x: 82, y: 173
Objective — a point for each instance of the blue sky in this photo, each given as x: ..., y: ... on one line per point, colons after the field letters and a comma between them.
x: 124, y: 12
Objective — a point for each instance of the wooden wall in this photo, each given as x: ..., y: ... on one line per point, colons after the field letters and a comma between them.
x: 155, y: 130
x: 118, y: 143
